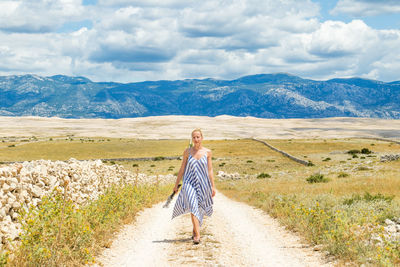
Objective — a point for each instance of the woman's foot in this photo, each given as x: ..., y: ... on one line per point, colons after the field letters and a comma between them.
x: 196, y: 240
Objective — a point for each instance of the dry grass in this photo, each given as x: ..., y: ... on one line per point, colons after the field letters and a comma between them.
x: 89, y: 148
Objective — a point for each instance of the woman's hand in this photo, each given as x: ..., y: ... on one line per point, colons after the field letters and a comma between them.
x: 176, y: 189
x: 213, y: 191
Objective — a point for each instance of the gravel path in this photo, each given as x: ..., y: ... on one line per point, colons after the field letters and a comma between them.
x: 236, y: 235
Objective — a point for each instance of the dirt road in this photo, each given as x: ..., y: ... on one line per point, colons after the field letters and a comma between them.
x: 236, y: 235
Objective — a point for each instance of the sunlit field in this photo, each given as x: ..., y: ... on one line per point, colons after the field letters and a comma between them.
x: 340, y: 203
x: 360, y: 173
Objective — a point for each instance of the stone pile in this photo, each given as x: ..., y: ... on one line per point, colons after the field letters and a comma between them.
x: 390, y: 157
x: 233, y: 176
x: 24, y: 184
x: 392, y: 230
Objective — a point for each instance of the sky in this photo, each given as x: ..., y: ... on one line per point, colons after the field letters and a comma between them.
x: 138, y: 40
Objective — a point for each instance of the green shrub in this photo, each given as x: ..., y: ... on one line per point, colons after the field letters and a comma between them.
x: 355, y: 156
x: 158, y: 158
x: 362, y: 151
x: 171, y: 168
x: 317, y: 178
x: 310, y: 163
x: 343, y: 174
x: 263, y: 175
x: 11, y: 145
x: 249, y: 161
x: 135, y: 165
x: 354, y: 151
x: 326, y: 159
x: 365, y: 151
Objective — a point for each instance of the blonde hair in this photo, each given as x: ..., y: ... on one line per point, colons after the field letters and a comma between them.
x: 197, y: 130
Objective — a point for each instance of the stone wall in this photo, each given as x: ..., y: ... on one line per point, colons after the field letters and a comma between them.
x: 386, y: 158
x: 306, y: 163
x: 24, y: 184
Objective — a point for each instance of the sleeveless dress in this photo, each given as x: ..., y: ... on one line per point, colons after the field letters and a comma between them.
x: 196, y: 193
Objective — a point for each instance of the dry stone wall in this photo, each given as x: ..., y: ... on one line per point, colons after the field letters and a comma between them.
x: 390, y: 157
x: 24, y: 184
x: 303, y: 162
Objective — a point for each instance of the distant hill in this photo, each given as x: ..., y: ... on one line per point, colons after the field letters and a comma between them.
x: 264, y: 95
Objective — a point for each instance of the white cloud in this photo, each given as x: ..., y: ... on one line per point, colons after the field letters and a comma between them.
x: 38, y: 16
x: 362, y: 8
x: 337, y: 39
x: 154, y: 3
x: 176, y: 39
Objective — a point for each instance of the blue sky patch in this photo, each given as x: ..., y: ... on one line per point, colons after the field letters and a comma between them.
x: 75, y: 25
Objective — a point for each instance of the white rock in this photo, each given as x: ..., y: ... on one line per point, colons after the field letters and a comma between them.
x: 7, y: 219
x: 13, y: 186
x: 2, y: 213
x: 389, y: 222
x: 6, y: 188
x: 36, y: 191
x: 391, y: 228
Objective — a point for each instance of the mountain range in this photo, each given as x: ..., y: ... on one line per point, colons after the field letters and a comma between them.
x: 278, y: 95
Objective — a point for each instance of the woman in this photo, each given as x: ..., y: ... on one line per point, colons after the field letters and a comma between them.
x: 198, y: 184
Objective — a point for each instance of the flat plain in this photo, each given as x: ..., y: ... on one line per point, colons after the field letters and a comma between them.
x: 220, y: 127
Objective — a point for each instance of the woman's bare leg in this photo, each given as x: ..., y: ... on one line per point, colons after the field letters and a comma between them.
x: 196, y: 227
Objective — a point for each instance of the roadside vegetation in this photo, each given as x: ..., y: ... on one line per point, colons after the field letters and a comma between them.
x: 58, y: 233
x: 339, y: 205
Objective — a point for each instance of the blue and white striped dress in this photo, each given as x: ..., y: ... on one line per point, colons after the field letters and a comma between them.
x: 196, y: 193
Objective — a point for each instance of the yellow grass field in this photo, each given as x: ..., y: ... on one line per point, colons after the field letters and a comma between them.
x: 245, y: 156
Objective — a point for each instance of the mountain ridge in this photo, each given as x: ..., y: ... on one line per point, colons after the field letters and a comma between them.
x: 276, y: 95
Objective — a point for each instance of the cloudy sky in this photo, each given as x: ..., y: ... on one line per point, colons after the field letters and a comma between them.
x: 136, y: 40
